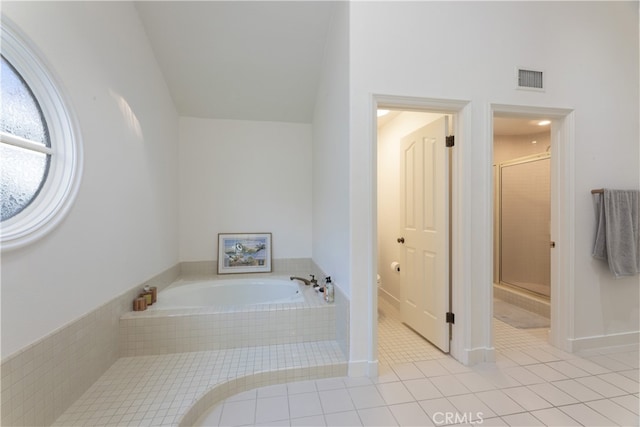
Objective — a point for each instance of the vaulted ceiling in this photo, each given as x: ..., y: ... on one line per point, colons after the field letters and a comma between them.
x: 245, y: 60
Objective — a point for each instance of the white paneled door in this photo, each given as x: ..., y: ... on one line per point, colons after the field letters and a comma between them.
x: 424, y: 232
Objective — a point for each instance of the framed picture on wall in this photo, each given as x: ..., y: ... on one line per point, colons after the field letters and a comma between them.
x: 244, y: 253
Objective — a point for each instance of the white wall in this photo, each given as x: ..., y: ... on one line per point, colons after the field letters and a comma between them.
x: 244, y: 176
x: 122, y: 229
x: 331, y: 157
x: 388, y: 182
x: 399, y: 49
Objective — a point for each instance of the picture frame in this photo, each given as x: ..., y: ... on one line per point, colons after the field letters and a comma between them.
x: 244, y: 253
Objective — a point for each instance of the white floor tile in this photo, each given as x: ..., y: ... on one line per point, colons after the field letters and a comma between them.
x: 437, y: 408
x: 407, y: 371
x: 521, y: 420
x: 366, y: 397
x: 422, y: 389
x: 474, y: 381
x: 586, y: 416
x: 527, y: 398
x: 301, y: 387
x: 449, y: 385
x: 342, y: 419
x: 431, y: 368
x: 493, y: 422
x: 380, y: 416
x: 410, y: 414
x: 554, y: 417
x: 568, y: 369
x: 621, y: 381
x: 238, y: 413
x: 523, y: 375
x: 499, y: 402
x: 614, y: 412
x: 541, y: 355
x: 601, y: 386
x: 280, y: 423
x: 330, y: 384
x: 552, y: 394
x: 520, y: 357
x: 629, y: 358
x: 546, y: 373
x: 453, y: 366
x: 317, y: 420
x: 304, y: 405
x: 587, y: 365
x: 629, y: 402
x: 470, y: 404
x: 633, y: 374
x: 336, y: 401
x: 395, y: 392
x: 577, y: 390
x: 272, y: 409
x: 610, y: 363
x: 272, y: 391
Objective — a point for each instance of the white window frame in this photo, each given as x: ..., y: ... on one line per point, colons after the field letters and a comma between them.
x: 60, y: 188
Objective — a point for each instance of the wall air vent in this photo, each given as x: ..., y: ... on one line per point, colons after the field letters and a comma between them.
x: 530, y: 79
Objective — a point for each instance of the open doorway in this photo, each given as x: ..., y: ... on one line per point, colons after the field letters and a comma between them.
x: 399, y: 340
x: 522, y: 223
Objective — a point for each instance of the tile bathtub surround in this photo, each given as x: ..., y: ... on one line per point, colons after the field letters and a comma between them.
x: 176, y: 389
x: 212, y: 328
x: 341, y: 303
x: 42, y: 380
x: 260, y: 325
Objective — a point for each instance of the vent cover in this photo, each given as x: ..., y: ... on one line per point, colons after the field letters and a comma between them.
x: 530, y: 79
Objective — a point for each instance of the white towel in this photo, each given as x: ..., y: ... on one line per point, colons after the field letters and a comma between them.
x: 618, y: 233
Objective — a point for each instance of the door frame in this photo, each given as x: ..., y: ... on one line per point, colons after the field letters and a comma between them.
x: 562, y: 212
x: 460, y: 110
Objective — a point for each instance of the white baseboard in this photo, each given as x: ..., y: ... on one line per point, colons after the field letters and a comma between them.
x: 631, y: 339
x: 360, y: 368
x: 470, y: 357
x: 382, y: 293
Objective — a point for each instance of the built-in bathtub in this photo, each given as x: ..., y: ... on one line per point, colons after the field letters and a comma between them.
x: 229, y: 292
x: 199, y: 315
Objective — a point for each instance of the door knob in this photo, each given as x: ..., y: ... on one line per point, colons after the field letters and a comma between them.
x: 400, y: 239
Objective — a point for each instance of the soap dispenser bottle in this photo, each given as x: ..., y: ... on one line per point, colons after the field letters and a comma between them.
x: 328, y: 290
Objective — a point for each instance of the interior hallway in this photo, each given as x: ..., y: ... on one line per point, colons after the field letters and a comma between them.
x: 531, y: 383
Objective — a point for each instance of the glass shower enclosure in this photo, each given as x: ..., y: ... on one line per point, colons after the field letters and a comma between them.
x: 523, y: 208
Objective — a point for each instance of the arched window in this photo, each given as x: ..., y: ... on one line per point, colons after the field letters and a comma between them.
x: 40, y: 156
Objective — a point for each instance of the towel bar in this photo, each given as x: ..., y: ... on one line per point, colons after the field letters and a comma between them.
x: 597, y: 191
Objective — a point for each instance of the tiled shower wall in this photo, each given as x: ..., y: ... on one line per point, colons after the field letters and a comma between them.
x: 42, y: 380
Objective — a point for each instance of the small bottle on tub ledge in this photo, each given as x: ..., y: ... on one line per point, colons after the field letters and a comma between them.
x: 328, y: 290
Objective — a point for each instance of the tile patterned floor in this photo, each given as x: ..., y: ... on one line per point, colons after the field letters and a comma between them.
x: 531, y: 384
x: 160, y: 390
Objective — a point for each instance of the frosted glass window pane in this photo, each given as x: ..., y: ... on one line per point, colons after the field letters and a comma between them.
x: 20, y: 113
x: 22, y: 173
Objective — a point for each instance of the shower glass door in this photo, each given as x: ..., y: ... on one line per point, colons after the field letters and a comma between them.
x: 525, y: 218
